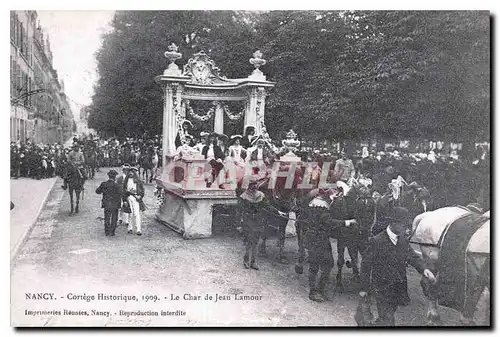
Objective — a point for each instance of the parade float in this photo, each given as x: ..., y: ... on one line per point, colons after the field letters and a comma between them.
x: 186, y: 201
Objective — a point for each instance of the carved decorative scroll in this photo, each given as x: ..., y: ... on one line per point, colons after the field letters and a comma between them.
x: 202, y: 70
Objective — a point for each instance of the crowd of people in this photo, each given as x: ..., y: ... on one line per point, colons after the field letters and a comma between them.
x: 449, y: 178
x: 30, y: 160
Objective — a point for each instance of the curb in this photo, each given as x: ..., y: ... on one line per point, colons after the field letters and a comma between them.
x: 26, y: 234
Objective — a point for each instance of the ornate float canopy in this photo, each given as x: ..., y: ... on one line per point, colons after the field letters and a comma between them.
x: 201, y: 79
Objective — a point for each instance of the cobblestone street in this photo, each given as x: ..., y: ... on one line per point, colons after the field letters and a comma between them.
x: 70, y: 255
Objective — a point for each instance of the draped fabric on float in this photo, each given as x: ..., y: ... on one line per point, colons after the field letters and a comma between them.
x: 453, y: 271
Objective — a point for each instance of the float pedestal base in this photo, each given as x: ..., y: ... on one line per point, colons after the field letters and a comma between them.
x: 189, y: 212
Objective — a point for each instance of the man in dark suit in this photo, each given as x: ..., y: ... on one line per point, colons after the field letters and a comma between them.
x: 214, y: 156
x: 383, y: 268
x: 317, y: 233
x: 248, y: 134
x: 111, y: 202
x: 260, y: 153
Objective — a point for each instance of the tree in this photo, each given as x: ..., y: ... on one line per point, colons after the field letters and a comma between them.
x: 126, y: 99
x: 338, y: 74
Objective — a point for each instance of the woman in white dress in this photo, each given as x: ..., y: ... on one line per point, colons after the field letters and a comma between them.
x: 237, y: 155
x: 236, y: 152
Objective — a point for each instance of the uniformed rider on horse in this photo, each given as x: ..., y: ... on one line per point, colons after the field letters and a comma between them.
x: 75, y: 163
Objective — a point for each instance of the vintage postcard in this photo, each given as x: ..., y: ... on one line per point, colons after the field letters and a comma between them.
x: 235, y: 168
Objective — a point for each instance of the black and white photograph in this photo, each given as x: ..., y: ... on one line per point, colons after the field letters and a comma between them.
x: 250, y: 168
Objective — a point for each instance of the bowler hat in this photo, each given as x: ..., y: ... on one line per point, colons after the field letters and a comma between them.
x: 112, y: 174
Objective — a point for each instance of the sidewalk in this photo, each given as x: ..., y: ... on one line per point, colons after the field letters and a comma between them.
x: 29, y: 197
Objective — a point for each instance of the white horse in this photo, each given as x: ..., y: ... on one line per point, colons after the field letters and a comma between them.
x: 447, y: 238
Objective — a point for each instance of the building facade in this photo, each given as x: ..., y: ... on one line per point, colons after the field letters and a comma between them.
x: 39, y: 109
x: 82, y: 123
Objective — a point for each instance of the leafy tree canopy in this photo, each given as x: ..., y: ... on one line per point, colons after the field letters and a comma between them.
x: 339, y: 74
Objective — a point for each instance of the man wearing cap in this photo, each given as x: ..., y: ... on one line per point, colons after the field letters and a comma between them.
x: 75, y: 161
x: 317, y: 232
x: 383, y: 268
x: 111, y: 202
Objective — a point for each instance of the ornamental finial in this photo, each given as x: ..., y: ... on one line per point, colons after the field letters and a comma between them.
x: 173, y: 55
x: 290, y: 144
x: 257, y: 62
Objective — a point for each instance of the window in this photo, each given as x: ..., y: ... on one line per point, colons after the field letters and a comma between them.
x: 18, y: 79
x: 27, y: 49
x: 22, y: 37
x: 11, y: 76
x: 26, y: 88
x: 27, y: 46
x: 15, y: 79
x: 18, y: 31
x: 12, y: 25
x: 31, y: 87
x: 15, y: 28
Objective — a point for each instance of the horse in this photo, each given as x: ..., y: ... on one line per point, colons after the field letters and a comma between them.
x: 147, y: 165
x: 285, y: 199
x: 155, y: 161
x: 454, y: 242
x: 135, y: 156
x: 90, y: 162
x: 114, y: 158
x: 76, y: 181
x: 414, y: 197
x: 293, y: 198
x: 281, y: 198
x: 352, y: 202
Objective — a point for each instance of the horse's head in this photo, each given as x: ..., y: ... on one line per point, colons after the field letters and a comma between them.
x: 420, y: 195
